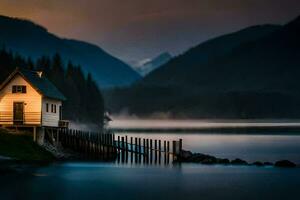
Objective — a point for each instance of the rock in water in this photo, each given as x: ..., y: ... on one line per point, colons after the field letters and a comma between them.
x: 258, y: 163
x: 268, y: 164
x: 184, y: 155
x: 285, y: 163
x: 223, y: 161
x: 238, y: 161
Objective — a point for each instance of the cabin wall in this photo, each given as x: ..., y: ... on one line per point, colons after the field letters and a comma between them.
x: 32, y: 103
x: 50, y: 118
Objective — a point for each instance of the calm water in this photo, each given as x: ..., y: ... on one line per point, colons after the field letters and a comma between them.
x: 115, y: 181
x: 98, y: 180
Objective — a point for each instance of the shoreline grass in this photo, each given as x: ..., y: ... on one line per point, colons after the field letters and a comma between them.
x: 20, y: 147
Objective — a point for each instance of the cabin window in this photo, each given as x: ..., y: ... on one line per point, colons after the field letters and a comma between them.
x: 19, y: 89
x: 47, y: 107
x: 53, y: 108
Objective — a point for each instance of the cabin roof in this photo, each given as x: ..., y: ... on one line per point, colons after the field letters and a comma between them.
x: 40, y: 83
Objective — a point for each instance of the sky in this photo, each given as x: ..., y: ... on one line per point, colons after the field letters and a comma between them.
x: 133, y: 30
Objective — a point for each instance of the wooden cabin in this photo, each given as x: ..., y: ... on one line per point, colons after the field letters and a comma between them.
x: 29, y: 99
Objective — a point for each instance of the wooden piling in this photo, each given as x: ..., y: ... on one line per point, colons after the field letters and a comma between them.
x: 165, y: 151
x: 131, y: 149
x: 155, y: 151
x: 151, y: 153
x: 136, y: 145
x: 126, y: 144
x: 118, y: 143
x: 180, y: 146
x: 168, y: 151
x: 174, y: 149
x: 140, y: 146
x: 159, y: 151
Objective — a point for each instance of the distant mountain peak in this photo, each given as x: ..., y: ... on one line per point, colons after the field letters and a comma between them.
x: 148, y: 65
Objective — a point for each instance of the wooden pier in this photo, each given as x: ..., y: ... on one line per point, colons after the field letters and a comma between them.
x: 123, y: 148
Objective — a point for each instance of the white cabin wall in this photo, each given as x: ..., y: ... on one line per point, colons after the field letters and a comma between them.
x: 32, y: 102
x: 49, y: 118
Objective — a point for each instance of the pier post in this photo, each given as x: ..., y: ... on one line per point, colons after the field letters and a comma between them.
x: 126, y: 144
x: 122, y: 144
x: 126, y: 149
x: 180, y: 146
x: 118, y: 143
x: 144, y: 145
x: 140, y: 150
x: 123, y: 152
x: 155, y: 151
x: 34, y: 134
x: 147, y: 147
x: 159, y: 151
x: 136, y: 145
x: 151, y: 153
x: 165, y: 151
x: 174, y: 150
x: 131, y: 149
x: 136, y: 149
x: 168, y: 151
x: 140, y: 146
x: 144, y: 150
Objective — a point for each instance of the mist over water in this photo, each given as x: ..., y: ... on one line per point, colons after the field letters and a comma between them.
x: 190, y: 123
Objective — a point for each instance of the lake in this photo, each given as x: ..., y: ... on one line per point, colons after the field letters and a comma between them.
x: 133, y: 182
x: 113, y: 180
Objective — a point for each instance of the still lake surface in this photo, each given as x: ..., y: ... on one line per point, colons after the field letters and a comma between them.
x: 113, y: 180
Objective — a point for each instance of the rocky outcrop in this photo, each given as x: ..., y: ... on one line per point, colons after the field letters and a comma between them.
x: 238, y: 161
x: 189, y: 157
x: 285, y: 163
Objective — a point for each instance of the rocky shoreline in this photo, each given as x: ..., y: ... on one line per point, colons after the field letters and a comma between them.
x: 189, y: 157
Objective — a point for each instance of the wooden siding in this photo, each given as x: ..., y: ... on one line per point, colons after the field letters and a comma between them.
x: 32, y: 103
x: 49, y: 118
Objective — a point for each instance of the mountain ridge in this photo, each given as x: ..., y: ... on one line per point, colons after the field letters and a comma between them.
x: 35, y: 41
x: 252, y: 73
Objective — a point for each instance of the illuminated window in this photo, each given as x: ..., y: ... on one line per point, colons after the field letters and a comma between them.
x: 19, y: 89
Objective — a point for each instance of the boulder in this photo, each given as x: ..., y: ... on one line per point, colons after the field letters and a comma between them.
x: 238, y: 161
x: 258, y: 163
x: 285, y: 163
x: 209, y: 160
x: 268, y: 164
x: 184, y: 155
x: 223, y: 161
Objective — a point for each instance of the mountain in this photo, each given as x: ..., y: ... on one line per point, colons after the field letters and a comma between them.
x: 194, y: 65
x: 252, y: 73
x: 30, y: 39
x: 154, y: 63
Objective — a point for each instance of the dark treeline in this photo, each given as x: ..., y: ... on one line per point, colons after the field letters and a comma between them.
x: 84, y: 99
